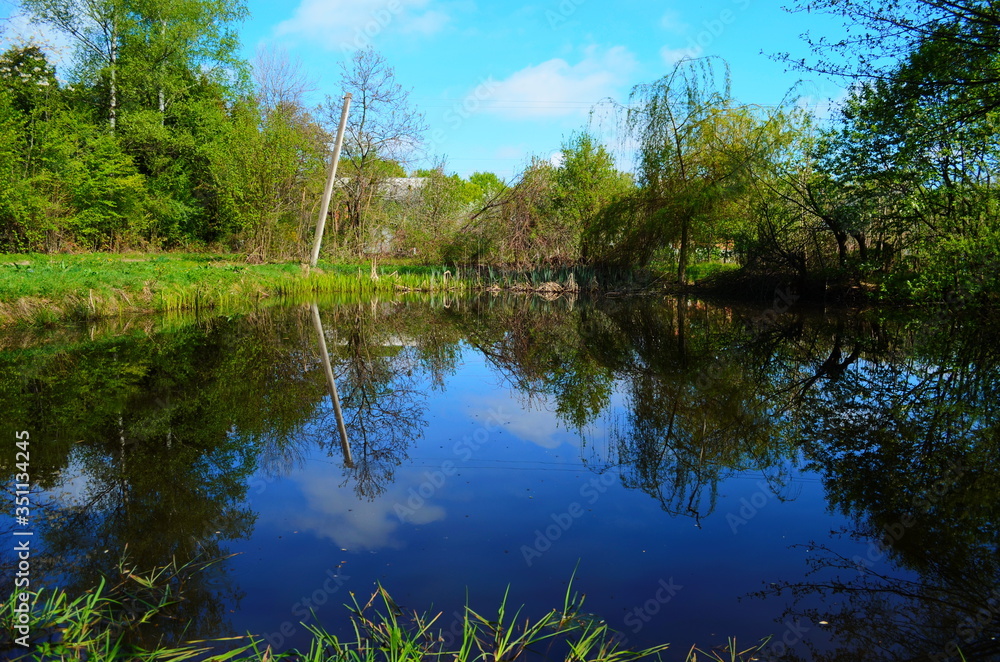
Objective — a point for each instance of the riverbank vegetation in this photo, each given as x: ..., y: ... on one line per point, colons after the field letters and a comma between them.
x: 39, y: 289
x: 117, y: 620
x: 160, y: 138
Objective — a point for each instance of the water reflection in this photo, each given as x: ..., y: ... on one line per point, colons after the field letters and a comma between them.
x: 331, y: 383
x: 907, y: 443
x: 155, y: 440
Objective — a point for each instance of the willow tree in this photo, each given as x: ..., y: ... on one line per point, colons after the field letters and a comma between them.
x: 696, y: 148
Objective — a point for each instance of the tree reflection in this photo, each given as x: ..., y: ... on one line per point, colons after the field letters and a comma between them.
x: 898, y: 417
x: 162, y: 458
x: 907, y: 443
x: 695, y: 415
x: 382, y: 395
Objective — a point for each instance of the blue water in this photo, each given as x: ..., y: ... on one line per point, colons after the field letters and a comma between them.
x: 497, y: 494
x: 734, y: 480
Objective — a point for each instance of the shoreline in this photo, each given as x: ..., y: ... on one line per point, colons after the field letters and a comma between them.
x: 45, y: 290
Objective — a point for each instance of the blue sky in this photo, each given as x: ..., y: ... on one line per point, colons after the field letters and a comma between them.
x: 499, y: 82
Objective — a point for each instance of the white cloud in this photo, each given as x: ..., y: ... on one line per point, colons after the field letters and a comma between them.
x: 534, y: 420
x: 349, y: 25
x: 672, y: 21
x: 428, y: 23
x: 556, y: 88
x: 334, y: 511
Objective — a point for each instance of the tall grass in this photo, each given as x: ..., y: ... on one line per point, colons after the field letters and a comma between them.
x: 102, y: 624
x: 45, y: 289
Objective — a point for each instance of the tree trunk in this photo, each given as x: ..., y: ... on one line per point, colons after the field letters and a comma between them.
x: 113, y: 65
x: 681, y: 323
x: 160, y: 95
x: 682, y: 255
x: 841, y: 248
x: 862, y: 240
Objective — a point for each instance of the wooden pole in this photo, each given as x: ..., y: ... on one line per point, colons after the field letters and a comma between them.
x: 331, y: 176
x: 344, y: 444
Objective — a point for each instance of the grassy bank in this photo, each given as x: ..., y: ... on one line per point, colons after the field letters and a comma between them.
x: 47, y: 288
x: 119, y: 619
x: 43, y: 289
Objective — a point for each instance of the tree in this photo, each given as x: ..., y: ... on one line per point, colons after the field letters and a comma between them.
x: 174, y: 45
x: 143, y: 51
x: 279, y: 81
x: 382, y: 127
x: 524, y: 228
x: 696, y: 152
x: 97, y: 27
x: 433, y: 213
x: 882, y: 33
x: 586, y: 182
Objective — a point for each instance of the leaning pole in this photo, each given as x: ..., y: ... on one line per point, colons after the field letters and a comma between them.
x: 332, y: 175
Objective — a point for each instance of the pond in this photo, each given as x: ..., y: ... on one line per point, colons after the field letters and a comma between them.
x: 700, y: 470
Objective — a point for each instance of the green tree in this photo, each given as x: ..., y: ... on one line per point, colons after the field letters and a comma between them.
x: 435, y: 213
x: 488, y: 185
x: 920, y: 168
x: 97, y: 27
x: 914, y: 158
x: 881, y: 34
x: 586, y: 182
x: 28, y: 97
x: 144, y: 52
x: 174, y: 44
x: 696, y: 154
x: 260, y: 169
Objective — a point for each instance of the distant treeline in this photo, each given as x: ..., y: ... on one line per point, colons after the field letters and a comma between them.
x: 159, y: 137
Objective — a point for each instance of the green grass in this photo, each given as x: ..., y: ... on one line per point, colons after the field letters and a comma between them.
x: 40, y: 289
x: 704, y: 270
x: 47, y: 289
x: 117, y: 621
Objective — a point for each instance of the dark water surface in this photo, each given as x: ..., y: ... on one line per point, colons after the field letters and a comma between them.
x: 826, y: 479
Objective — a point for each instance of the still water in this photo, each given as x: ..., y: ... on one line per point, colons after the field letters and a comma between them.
x: 707, y: 470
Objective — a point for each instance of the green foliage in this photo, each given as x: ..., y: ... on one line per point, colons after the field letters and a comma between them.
x: 542, y: 217
x: 105, y: 189
x: 434, y: 216
x: 906, y: 181
x: 488, y: 185
x: 156, y: 142
x: 382, y: 168
x: 586, y: 182
x: 259, y: 169
x: 697, y: 152
x: 705, y: 270
x: 964, y: 270
x: 28, y: 76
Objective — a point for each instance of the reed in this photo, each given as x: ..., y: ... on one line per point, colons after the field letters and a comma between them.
x: 101, y: 624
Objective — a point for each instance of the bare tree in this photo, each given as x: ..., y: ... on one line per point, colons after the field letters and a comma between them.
x: 279, y: 80
x: 383, y: 131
